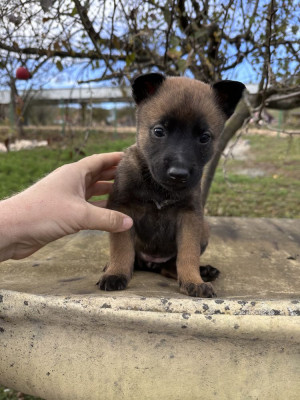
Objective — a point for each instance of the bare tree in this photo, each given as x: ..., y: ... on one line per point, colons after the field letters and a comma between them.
x: 209, y: 40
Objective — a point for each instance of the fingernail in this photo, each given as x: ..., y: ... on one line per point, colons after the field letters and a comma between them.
x: 127, y: 223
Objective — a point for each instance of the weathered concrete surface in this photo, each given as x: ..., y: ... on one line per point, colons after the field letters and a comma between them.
x: 258, y: 258
x: 61, y: 338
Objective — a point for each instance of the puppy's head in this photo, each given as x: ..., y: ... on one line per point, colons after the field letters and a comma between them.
x: 178, y: 122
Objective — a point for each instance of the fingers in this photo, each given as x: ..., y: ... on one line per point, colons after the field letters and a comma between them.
x: 99, y: 203
x: 98, y: 189
x: 107, y: 174
x: 107, y: 220
x: 97, y: 163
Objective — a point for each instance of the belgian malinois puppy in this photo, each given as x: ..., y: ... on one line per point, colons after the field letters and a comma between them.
x: 158, y: 180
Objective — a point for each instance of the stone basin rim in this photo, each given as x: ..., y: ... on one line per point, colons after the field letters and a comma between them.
x: 205, y: 306
x: 96, y: 313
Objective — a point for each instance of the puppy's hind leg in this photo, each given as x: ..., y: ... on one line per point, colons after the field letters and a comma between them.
x: 209, y: 273
x: 119, y: 270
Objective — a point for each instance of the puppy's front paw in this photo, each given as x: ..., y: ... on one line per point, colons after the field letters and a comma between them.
x: 197, y: 290
x: 113, y: 282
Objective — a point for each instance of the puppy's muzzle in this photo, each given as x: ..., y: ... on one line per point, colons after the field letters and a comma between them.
x: 178, y: 174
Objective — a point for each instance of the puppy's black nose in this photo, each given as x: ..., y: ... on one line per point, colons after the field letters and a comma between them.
x: 178, y: 174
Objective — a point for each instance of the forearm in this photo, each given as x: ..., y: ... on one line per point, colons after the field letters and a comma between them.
x: 27, y: 223
x: 8, y: 237
x: 19, y: 227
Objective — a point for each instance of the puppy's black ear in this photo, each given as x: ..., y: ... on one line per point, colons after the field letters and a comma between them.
x: 146, y: 85
x: 228, y: 94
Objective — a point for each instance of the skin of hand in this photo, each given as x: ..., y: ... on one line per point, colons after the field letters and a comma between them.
x: 57, y: 205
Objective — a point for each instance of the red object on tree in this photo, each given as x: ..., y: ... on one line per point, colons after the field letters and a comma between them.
x: 23, y: 73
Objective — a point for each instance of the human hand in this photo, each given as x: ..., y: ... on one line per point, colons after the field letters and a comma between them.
x: 57, y: 206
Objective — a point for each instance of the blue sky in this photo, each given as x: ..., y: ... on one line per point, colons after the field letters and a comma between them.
x: 246, y: 72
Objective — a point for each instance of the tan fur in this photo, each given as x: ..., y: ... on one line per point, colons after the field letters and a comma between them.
x: 186, y: 96
x: 122, y: 254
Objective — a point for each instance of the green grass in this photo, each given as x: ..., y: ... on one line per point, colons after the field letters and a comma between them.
x: 276, y: 194
x: 22, y: 168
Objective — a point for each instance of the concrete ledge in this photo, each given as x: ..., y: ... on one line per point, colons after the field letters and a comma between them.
x: 61, y: 338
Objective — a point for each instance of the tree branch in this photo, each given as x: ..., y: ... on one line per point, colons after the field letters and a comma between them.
x: 283, y: 102
x: 91, y: 54
x: 88, y: 26
x: 233, y: 124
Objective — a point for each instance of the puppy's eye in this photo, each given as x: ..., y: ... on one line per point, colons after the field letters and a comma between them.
x: 159, y: 131
x: 204, y: 137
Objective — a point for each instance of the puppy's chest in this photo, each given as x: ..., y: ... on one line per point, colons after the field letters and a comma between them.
x: 154, y: 224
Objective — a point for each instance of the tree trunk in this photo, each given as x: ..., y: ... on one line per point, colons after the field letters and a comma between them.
x: 17, y: 106
x: 232, y: 125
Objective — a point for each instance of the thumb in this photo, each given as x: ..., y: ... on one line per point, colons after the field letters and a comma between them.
x: 107, y: 220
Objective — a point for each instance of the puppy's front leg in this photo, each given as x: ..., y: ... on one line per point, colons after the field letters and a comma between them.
x: 119, y: 270
x: 188, y: 253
